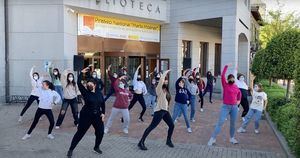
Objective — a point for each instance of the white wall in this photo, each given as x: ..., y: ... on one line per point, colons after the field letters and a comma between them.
x: 36, y: 34
x: 2, y: 52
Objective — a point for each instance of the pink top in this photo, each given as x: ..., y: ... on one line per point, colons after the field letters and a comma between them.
x: 231, y: 93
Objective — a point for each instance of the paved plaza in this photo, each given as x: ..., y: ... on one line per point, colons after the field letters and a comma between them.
x: 117, y: 144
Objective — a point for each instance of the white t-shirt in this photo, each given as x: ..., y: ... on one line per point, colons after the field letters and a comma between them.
x: 258, y: 101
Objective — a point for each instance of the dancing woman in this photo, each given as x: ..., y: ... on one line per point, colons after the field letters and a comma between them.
x: 36, y: 84
x: 92, y: 113
x: 161, y: 112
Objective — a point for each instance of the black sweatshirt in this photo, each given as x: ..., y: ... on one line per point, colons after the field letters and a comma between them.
x: 93, y: 100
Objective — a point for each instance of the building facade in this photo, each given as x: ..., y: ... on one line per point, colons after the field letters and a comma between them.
x: 164, y: 34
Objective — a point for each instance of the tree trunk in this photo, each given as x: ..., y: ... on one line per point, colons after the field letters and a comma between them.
x: 270, y: 81
x: 287, y: 96
x: 284, y: 83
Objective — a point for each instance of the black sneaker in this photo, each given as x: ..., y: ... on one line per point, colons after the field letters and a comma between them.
x: 170, y: 144
x: 97, y: 150
x: 69, y: 154
x: 142, y: 146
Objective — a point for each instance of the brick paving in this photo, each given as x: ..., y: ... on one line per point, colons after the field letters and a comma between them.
x: 117, y: 144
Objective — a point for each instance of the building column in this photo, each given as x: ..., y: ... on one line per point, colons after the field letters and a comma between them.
x: 2, y: 52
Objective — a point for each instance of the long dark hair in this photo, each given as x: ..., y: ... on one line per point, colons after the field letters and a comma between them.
x: 58, y: 73
x: 208, y: 74
x: 70, y: 82
x: 168, y: 95
x: 35, y: 73
x: 49, y: 84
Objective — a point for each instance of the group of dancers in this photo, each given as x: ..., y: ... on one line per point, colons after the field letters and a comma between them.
x: 89, y: 85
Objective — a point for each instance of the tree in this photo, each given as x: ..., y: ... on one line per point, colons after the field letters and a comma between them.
x: 277, y: 23
x: 281, y: 54
x: 261, y: 68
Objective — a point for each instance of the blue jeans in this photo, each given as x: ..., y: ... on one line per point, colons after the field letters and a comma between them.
x: 226, y: 110
x: 59, y: 90
x: 151, y: 101
x: 248, y: 117
x: 181, y: 108
x: 193, y: 106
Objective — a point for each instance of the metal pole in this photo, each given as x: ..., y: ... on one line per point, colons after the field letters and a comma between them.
x: 7, y: 88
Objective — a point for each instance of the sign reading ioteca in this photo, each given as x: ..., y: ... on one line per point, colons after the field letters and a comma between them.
x: 149, y: 9
x: 117, y: 28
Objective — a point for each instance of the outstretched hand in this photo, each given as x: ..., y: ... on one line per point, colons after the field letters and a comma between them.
x: 109, y: 66
x: 139, y: 67
x: 85, y: 70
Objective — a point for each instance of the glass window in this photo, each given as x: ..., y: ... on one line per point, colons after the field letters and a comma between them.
x: 203, y: 57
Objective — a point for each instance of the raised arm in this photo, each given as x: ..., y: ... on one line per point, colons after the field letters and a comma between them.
x: 136, y: 74
x: 161, y: 81
x: 31, y: 72
x: 223, y: 78
x: 177, y: 83
x: 81, y: 88
x: 109, y: 73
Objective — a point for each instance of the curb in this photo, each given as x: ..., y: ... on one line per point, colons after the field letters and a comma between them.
x: 280, y: 137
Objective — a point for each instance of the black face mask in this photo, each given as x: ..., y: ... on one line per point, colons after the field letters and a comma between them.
x: 139, y: 79
x: 230, y: 82
x: 90, y: 88
x: 191, y: 80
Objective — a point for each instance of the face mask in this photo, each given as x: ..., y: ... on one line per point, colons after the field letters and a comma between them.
x: 197, y: 77
x: 94, y: 76
x: 115, y: 76
x: 231, y: 81
x: 90, y: 88
x: 125, y: 72
x: 153, y: 82
x: 55, y: 73
x: 121, y: 85
x: 256, y: 88
x: 191, y: 80
x: 242, y: 79
x: 71, y: 79
x: 35, y: 77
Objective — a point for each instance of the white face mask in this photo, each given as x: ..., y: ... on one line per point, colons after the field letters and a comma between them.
x: 256, y: 88
x: 35, y: 77
x: 125, y: 72
x: 94, y: 76
x: 115, y: 76
x: 71, y: 78
x: 242, y: 79
x: 121, y: 85
x: 55, y: 73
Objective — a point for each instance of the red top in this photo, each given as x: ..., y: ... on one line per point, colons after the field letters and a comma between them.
x: 122, y: 96
x: 231, y: 93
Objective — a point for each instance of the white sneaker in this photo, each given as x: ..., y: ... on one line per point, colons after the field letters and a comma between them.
x: 211, y: 141
x: 243, y: 118
x: 106, y: 130
x: 26, y: 136
x: 233, y: 141
x: 50, y: 136
x: 256, y: 131
x: 201, y: 110
x: 241, y: 130
x: 189, y: 130
x: 57, y: 127
x: 20, y: 119
x: 193, y: 120
x: 125, y: 130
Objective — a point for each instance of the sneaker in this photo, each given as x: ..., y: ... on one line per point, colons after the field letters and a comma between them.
x: 243, y: 119
x: 50, y: 136
x: 26, y: 136
x: 141, y: 119
x: 142, y: 146
x: 201, y: 110
x: 211, y: 102
x: 97, y: 150
x: 193, y: 120
x: 189, y: 130
x: 106, y: 130
x: 57, y: 127
x: 211, y: 141
x: 256, y: 131
x: 69, y: 154
x: 125, y: 130
x: 170, y: 144
x: 241, y: 130
x: 233, y: 141
x: 20, y: 119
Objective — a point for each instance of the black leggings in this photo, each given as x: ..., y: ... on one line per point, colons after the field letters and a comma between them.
x: 38, y: 114
x: 140, y: 98
x: 86, y: 119
x: 64, y: 108
x: 245, y: 105
x: 201, y: 98
x: 158, y: 116
x: 210, y: 90
x: 30, y: 100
